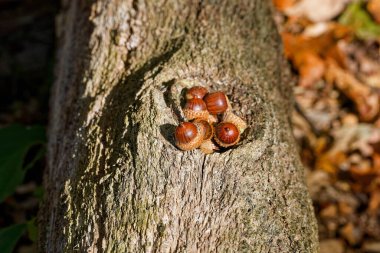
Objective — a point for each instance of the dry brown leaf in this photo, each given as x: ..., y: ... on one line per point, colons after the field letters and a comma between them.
x: 317, y: 29
x: 363, y: 169
x: 310, y: 66
x: 330, y: 162
x: 371, y: 247
x: 317, y: 11
x: 354, y: 137
x: 331, y: 211
x: 376, y: 163
x: 373, y: 7
x: 304, y: 53
x: 345, y: 208
x: 283, y: 4
x: 316, y: 181
x: 352, y: 233
x: 307, y: 53
x: 336, y: 52
x: 372, y: 79
x: 374, y: 202
x: 331, y: 245
x: 367, y: 102
x: 320, y: 145
x: 293, y: 44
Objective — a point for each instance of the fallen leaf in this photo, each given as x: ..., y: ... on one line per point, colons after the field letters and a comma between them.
x: 363, y: 169
x: 372, y: 80
x: 373, y: 7
x: 366, y: 101
x: 330, y: 162
x: 316, y: 181
x: 374, y: 202
x: 283, y: 4
x: 310, y: 66
x: 352, y: 234
x: 293, y: 44
x: 354, y: 137
x: 376, y: 163
x: 317, y: 11
x: 331, y: 245
x: 371, y: 247
x: 331, y: 211
x: 345, y: 208
x: 337, y: 53
x: 317, y: 29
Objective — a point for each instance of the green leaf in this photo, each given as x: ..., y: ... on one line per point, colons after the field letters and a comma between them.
x: 15, y: 141
x: 39, y: 192
x: 32, y: 230
x: 9, y: 237
x: 356, y: 17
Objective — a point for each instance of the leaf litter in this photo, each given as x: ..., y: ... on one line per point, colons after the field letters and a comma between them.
x: 333, y: 46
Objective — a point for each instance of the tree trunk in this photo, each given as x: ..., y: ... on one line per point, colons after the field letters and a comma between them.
x: 116, y: 183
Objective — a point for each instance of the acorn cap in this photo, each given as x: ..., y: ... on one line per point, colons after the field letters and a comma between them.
x: 236, y: 120
x: 195, y: 108
x: 212, y: 119
x: 188, y: 135
x: 208, y: 147
x: 226, y: 134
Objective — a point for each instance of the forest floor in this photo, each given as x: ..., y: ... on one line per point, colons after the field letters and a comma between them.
x: 333, y: 48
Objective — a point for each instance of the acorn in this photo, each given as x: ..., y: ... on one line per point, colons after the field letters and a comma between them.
x: 226, y: 134
x: 196, y: 92
x: 207, y: 128
x: 216, y: 102
x: 195, y: 108
x: 207, y: 145
x: 188, y: 135
x: 229, y: 116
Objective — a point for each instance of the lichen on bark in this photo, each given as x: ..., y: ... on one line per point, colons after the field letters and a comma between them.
x: 116, y: 183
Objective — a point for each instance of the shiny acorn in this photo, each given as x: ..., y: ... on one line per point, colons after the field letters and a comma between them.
x: 188, y: 135
x: 196, y: 92
x: 226, y: 134
x: 216, y: 102
x: 195, y: 108
x: 230, y: 117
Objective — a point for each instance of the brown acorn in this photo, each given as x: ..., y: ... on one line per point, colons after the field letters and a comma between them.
x: 188, y: 135
x: 207, y: 128
x: 196, y: 92
x: 228, y: 116
x: 207, y: 145
x: 216, y: 102
x: 195, y: 108
x: 226, y: 134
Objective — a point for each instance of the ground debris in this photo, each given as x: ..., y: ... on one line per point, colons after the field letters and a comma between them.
x: 334, y: 49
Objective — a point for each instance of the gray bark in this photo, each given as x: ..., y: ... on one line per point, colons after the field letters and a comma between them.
x: 116, y: 183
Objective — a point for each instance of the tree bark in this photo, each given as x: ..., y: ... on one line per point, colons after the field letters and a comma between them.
x: 116, y: 183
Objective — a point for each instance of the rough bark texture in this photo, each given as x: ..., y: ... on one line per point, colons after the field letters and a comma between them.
x: 116, y: 183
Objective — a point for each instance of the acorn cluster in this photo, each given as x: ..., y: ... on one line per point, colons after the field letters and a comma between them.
x: 211, y: 123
